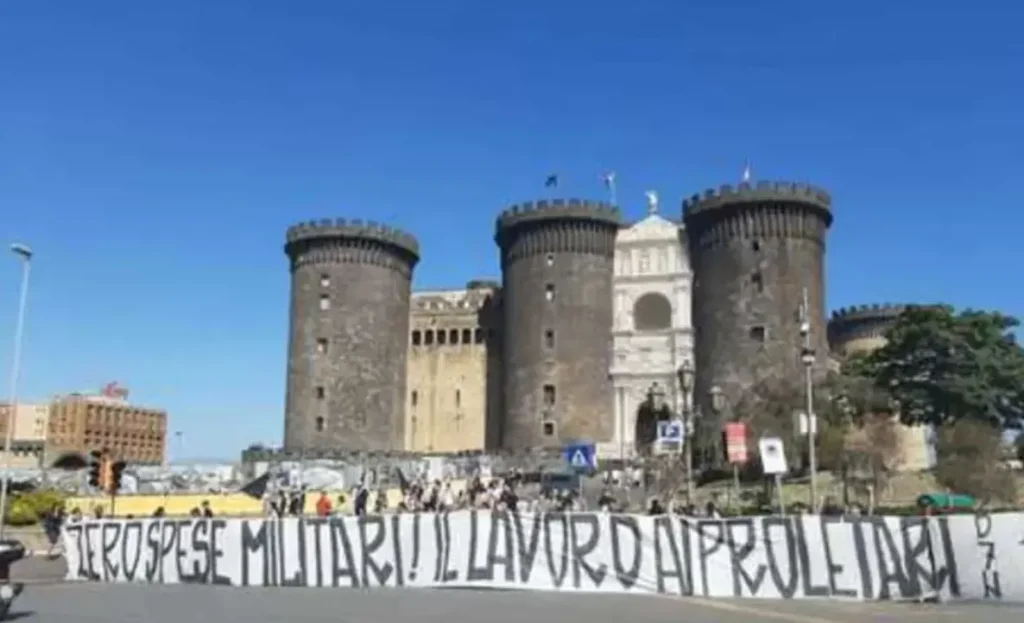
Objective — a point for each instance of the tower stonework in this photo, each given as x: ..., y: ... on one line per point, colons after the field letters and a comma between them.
x: 348, y: 335
x: 557, y: 260
x: 754, y: 248
x: 861, y: 328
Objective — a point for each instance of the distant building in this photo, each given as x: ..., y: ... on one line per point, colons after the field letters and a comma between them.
x: 29, y: 439
x: 454, y: 388
x: 81, y: 423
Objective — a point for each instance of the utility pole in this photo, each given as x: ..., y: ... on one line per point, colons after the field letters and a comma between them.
x: 807, y: 357
x: 25, y: 254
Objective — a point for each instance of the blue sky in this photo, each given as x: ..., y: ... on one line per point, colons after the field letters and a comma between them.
x: 153, y: 153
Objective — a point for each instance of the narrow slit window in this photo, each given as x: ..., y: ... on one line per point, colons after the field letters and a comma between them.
x: 549, y: 339
x: 549, y: 292
x: 549, y: 395
x: 321, y: 393
x: 442, y: 336
x: 320, y: 424
x: 325, y: 280
x: 458, y: 398
x: 428, y: 337
x: 325, y: 302
x: 321, y: 346
x: 453, y: 336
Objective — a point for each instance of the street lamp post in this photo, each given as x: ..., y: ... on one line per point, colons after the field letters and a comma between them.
x: 685, y: 375
x: 717, y: 406
x: 807, y: 358
x: 25, y: 255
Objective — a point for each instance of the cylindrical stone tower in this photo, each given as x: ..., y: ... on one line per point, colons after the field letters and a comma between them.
x: 348, y: 336
x: 557, y: 259
x: 861, y: 328
x: 754, y: 249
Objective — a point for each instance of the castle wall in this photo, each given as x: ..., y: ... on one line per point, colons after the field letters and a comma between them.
x: 453, y: 402
x: 753, y: 251
x: 348, y: 336
x: 557, y: 264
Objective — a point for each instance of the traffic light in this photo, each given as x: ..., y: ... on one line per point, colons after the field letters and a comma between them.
x: 95, y: 468
x: 116, y: 469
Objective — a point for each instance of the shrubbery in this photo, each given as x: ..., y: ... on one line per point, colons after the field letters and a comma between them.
x: 26, y: 509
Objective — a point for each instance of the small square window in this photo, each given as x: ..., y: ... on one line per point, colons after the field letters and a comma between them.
x: 320, y: 424
x: 549, y: 291
x: 417, y: 338
x: 550, y: 259
x: 321, y: 346
x: 758, y: 333
x: 549, y: 339
x: 549, y: 395
x: 320, y: 392
x: 548, y: 429
x: 755, y: 245
x: 325, y: 280
x: 325, y: 302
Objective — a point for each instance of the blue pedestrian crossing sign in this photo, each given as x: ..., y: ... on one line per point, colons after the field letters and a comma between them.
x: 671, y: 431
x: 579, y: 456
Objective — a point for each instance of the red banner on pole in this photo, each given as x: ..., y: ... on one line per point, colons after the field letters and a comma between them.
x: 736, y: 442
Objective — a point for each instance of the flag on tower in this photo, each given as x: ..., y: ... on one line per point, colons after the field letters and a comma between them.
x: 747, y: 173
x: 551, y: 181
x: 609, y: 179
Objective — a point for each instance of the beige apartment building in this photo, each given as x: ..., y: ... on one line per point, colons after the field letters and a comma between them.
x: 453, y: 375
x: 81, y: 423
x: 28, y: 442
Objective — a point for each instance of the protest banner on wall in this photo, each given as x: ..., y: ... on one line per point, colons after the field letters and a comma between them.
x: 870, y: 558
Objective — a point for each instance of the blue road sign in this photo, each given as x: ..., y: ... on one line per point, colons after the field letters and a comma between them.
x: 671, y: 431
x: 579, y: 456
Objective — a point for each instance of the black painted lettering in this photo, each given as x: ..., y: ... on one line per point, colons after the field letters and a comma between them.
x: 381, y: 570
x: 949, y: 555
x: 858, y: 526
x: 201, y: 549
x: 890, y: 562
x: 990, y: 572
x: 925, y: 576
x: 217, y: 526
x: 415, y: 564
x: 447, y: 573
x: 709, y: 546
x: 318, y: 553
x: 558, y: 572
x: 591, y: 525
x: 180, y: 551
x: 255, y: 544
x: 298, y: 576
x: 625, y: 528
x: 91, y: 528
x: 131, y: 546
x: 153, y: 548
x: 770, y: 527
x: 168, y: 538
x: 665, y: 545
x: 739, y: 552
x: 110, y: 535
x: 804, y: 554
x: 527, y: 546
x: 396, y: 544
x: 833, y: 568
x: 475, y: 572
x: 344, y: 564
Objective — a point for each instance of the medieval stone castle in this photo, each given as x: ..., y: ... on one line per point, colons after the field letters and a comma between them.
x: 590, y: 323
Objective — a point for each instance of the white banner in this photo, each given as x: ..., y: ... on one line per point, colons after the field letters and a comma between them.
x: 871, y: 558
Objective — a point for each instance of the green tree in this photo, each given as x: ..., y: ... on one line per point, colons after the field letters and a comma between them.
x: 942, y: 367
x: 970, y: 461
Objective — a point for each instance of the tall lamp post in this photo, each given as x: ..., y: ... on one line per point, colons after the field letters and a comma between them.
x: 25, y: 256
x: 807, y: 358
x: 685, y: 375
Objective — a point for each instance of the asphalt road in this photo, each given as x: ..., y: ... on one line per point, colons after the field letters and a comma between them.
x: 47, y: 599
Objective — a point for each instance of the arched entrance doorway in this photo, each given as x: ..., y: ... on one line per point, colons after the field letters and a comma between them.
x: 650, y: 412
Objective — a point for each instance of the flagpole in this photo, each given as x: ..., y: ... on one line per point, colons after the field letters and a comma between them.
x: 611, y: 191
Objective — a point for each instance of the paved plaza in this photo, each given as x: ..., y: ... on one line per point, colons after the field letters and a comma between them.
x: 99, y: 603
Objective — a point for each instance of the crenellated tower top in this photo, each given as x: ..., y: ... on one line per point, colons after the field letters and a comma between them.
x: 351, y: 229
